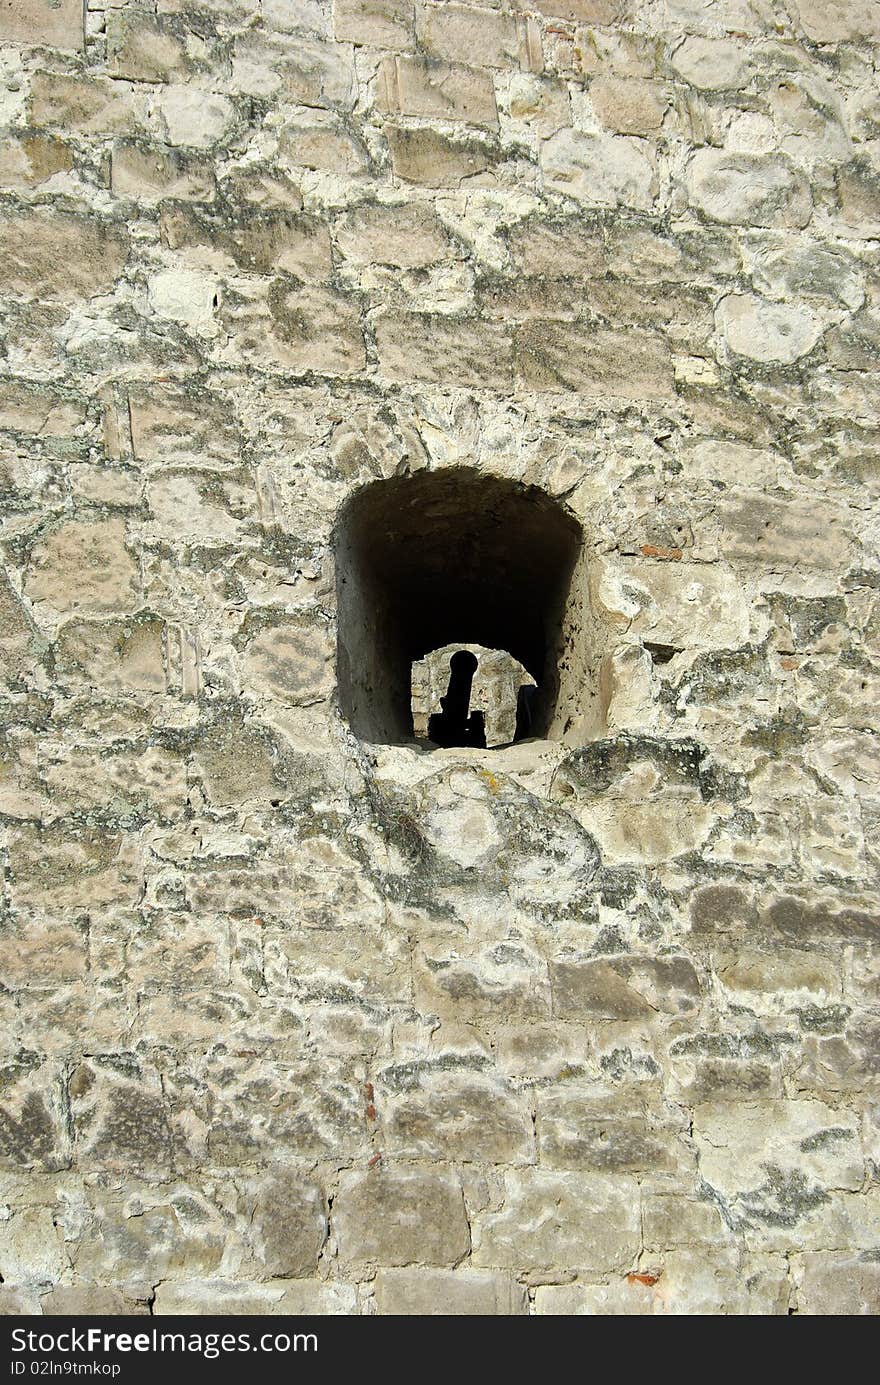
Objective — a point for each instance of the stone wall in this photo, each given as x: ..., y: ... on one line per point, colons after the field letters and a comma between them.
x: 293, y: 1022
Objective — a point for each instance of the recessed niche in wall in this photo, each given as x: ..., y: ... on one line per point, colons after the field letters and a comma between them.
x: 457, y: 558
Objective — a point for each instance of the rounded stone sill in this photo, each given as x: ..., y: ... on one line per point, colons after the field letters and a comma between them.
x: 415, y: 760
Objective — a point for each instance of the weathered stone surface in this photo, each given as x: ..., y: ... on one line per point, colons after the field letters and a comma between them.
x: 767, y: 332
x: 400, y: 1216
x: 599, y: 170
x: 288, y: 1226
x: 442, y: 91
x: 410, y: 237
x: 340, y: 336
x: 50, y: 254
x: 447, y: 350
x: 421, y: 155
x: 278, y: 1299
x: 379, y: 23
x: 84, y: 566
x: 444, y: 1293
x: 601, y: 363
x: 58, y: 24
x: 749, y: 189
x: 565, y: 1222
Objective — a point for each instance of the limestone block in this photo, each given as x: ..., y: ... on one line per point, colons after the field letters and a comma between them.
x: 600, y: 170
x: 757, y: 528
x: 568, y: 248
x: 233, y: 1111
x: 187, y: 296
x: 120, y: 1119
x: 83, y: 565
x: 627, y: 105
x: 506, y: 981
x: 20, y: 644
x: 317, y: 329
x: 858, y: 187
x: 292, y: 661
x: 556, y: 1223
x: 687, y: 605
x: 480, y: 37
x: 585, y: 1130
x: 152, y: 172
x: 114, y: 655
x: 375, y: 23
x: 55, y: 23
x: 261, y: 240
x: 770, y: 333
x: 409, y: 236
x: 168, y: 1234
x: 307, y: 73
x: 437, y: 91
x: 646, y: 833
x: 449, y: 1114
x: 839, y: 21
x: 288, y: 1226
x: 39, y: 951
x: 597, y: 363
x: 33, y: 1133
x: 279, y: 1299
x: 712, y: 64
x: 624, y: 988
x: 28, y: 160
x: 400, y: 1216
x: 47, y: 254
x: 851, y: 762
x: 435, y: 349
x: 585, y: 11
x: 18, y: 1303
x: 748, y: 189
x: 835, y: 1284
x: 778, y: 1157
x: 92, y: 1300
x: 320, y: 139
x: 30, y: 1247
x: 145, y: 47
x: 176, y: 425
x: 186, y: 115
x: 71, y: 867
x: 625, y: 1296
x: 86, y: 105
x: 434, y: 1293
x: 433, y: 159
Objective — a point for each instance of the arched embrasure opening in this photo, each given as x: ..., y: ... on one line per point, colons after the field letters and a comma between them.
x: 442, y: 558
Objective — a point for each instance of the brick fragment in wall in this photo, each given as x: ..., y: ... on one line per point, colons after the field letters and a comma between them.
x: 301, y: 1012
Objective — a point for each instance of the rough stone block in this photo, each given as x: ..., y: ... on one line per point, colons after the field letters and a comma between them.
x: 421, y: 155
x: 375, y: 23
x: 408, y: 236
x: 48, y: 254
x: 749, y: 189
x: 459, y: 1293
x: 460, y: 352
x: 278, y: 1299
x: 83, y: 565
x: 554, y: 1223
x: 558, y: 357
x: 437, y: 91
x: 400, y: 1216
x: 55, y: 23
x: 600, y: 170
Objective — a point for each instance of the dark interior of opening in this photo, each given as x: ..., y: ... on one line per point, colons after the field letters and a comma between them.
x: 440, y: 558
